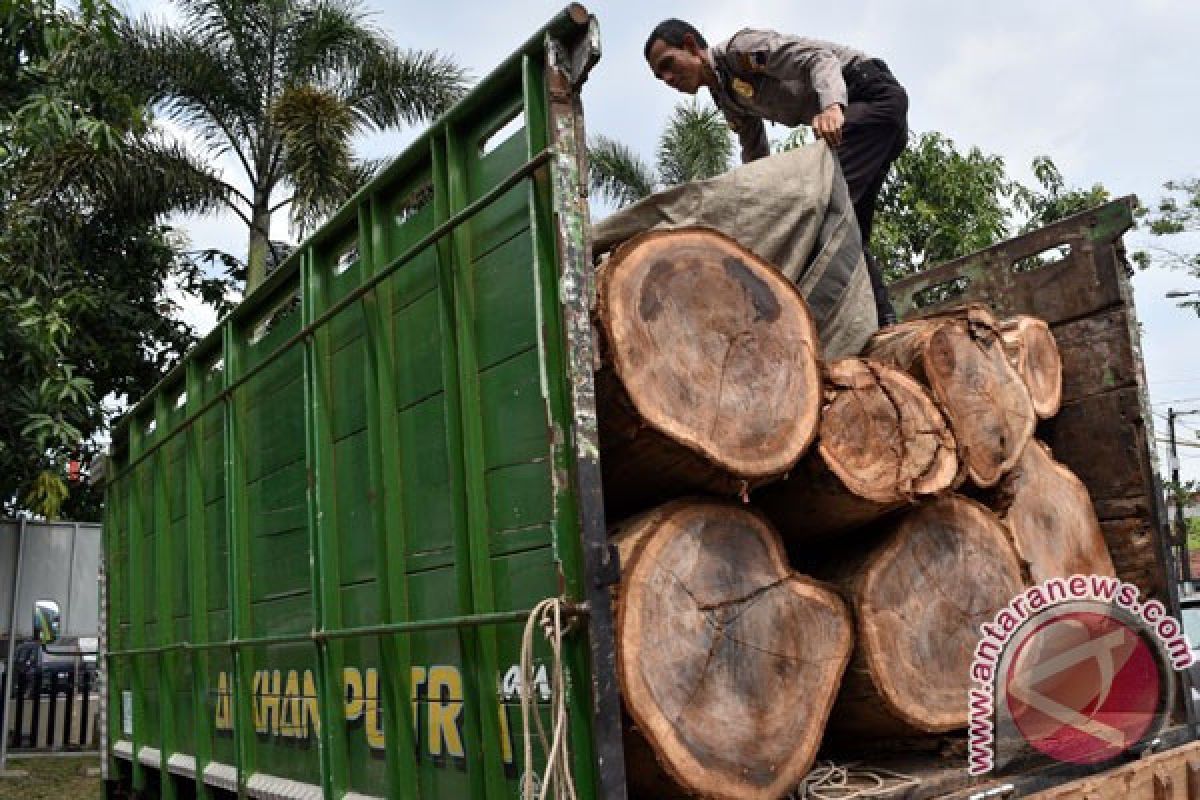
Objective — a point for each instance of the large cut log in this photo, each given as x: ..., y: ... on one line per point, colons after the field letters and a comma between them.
x: 1050, y: 518
x: 728, y: 661
x: 918, y: 597
x: 881, y: 444
x: 709, y: 378
x: 960, y: 357
x: 1034, y: 355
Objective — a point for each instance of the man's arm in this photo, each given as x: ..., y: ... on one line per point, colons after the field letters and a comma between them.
x: 794, y: 57
x: 752, y: 134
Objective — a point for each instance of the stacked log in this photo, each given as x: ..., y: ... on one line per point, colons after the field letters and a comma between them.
x: 709, y: 378
x: 733, y: 667
x: 1034, y: 355
x: 729, y: 661
x: 881, y: 444
x: 918, y: 598
x: 960, y: 357
x: 1050, y: 519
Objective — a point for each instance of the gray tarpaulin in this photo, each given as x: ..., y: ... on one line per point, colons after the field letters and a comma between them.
x: 793, y: 211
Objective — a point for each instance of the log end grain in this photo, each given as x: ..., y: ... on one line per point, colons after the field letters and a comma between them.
x: 728, y: 661
x: 882, y: 444
x: 715, y: 348
x: 1050, y: 518
x: 1033, y: 352
x: 919, y: 598
x: 882, y: 435
x: 960, y: 356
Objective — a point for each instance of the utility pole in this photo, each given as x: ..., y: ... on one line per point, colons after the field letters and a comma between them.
x: 1181, y: 531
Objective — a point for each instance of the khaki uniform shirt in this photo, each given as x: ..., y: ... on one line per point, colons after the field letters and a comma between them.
x: 786, y: 79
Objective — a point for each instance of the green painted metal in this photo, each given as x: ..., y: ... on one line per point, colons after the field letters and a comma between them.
x: 198, y: 583
x: 371, y: 480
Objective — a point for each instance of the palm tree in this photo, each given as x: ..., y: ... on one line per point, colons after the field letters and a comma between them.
x: 694, y: 145
x: 283, y: 86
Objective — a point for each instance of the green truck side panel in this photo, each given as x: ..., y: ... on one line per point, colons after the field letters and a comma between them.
x: 378, y: 436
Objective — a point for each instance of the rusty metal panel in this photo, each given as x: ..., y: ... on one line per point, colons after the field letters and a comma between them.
x: 1102, y: 438
x: 1097, y: 354
x: 1064, y: 271
x: 1166, y: 776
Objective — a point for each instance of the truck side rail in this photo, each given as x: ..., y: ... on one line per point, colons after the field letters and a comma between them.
x: 325, y: 527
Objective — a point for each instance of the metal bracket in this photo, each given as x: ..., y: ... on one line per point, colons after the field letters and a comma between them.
x: 608, y: 561
x: 577, y: 62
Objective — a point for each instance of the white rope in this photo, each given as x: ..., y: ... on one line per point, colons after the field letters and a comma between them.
x: 557, y: 782
x: 830, y: 781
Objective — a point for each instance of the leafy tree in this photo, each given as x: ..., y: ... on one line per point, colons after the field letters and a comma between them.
x: 84, y: 264
x: 1055, y: 200
x: 1175, y: 216
x: 695, y: 144
x: 939, y: 203
x: 284, y: 85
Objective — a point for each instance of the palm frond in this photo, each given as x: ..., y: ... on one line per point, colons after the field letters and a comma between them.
x: 394, y: 87
x: 315, y: 127
x: 188, y: 79
x: 695, y: 145
x: 617, y: 174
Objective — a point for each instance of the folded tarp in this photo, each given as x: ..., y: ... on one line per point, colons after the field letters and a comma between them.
x: 792, y: 210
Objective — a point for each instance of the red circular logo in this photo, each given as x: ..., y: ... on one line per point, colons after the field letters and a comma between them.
x: 1084, y: 686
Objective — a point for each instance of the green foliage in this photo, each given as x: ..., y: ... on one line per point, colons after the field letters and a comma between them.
x: 939, y: 203
x: 1054, y: 201
x: 1176, y: 216
x: 695, y: 144
x: 283, y: 85
x: 84, y: 264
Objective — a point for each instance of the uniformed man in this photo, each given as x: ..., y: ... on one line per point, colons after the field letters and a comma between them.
x: 851, y: 101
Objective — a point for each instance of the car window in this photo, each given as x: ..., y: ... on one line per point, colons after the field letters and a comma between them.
x: 1191, y: 626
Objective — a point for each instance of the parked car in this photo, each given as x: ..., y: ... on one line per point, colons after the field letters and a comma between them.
x: 60, y: 666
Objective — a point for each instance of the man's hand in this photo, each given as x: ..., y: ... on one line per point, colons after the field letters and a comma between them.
x: 828, y: 125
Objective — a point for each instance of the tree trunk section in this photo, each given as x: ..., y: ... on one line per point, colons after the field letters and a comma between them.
x: 918, y: 597
x: 710, y: 378
x: 1032, y: 351
x: 1050, y: 518
x: 881, y: 444
x: 960, y: 357
x: 728, y: 661
x: 260, y: 233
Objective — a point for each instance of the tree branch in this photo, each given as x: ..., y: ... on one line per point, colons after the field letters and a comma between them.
x: 281, y: 204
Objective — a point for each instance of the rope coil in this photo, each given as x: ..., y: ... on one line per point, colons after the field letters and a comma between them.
x: 556, y: 782
x: 830, y: 781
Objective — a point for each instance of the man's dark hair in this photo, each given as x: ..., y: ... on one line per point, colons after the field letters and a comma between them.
x: 672, y: 32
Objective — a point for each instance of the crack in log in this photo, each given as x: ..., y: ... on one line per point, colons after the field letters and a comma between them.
x: 721, y: 381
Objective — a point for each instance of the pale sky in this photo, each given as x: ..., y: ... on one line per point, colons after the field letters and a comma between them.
x: 1106, y: 88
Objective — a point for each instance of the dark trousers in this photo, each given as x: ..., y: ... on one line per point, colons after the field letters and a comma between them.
x: 874, y: 135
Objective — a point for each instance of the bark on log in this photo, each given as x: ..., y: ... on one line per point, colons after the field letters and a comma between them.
x: 919, y: 597
x: 1032, y: 351
x: 1050, y: 518
x: 881, y: 444
x: 728, y: 661
x: 709, y: 378
x: 960, y: 357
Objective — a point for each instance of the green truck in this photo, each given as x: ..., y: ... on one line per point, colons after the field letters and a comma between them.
x: 326, y: 528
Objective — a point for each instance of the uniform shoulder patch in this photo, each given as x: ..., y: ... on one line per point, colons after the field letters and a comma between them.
x: 753, y: 61
x: 744, y: 88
